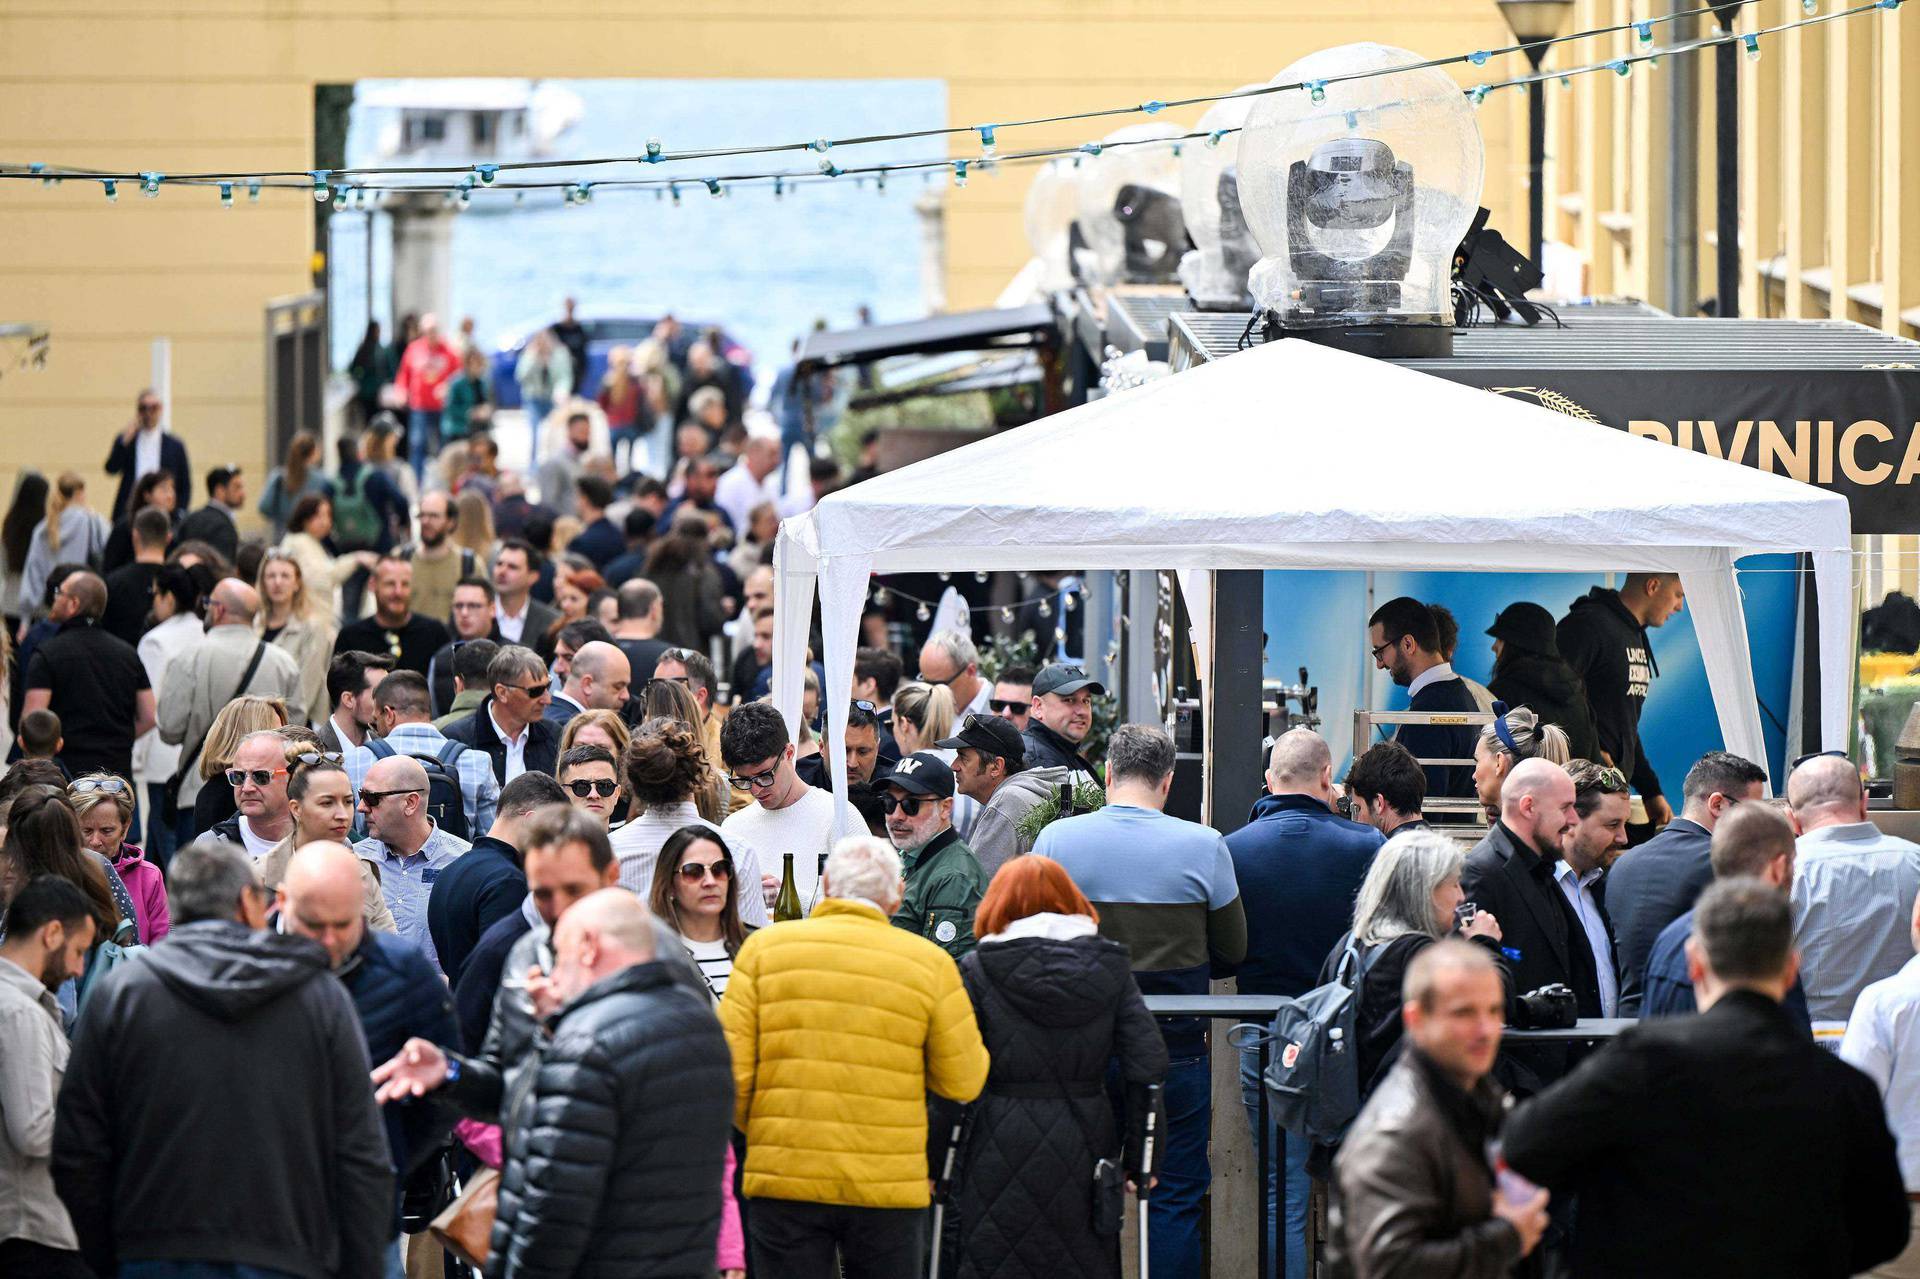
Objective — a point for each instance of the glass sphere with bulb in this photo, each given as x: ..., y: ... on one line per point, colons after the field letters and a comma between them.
x: 1053, y: 201
x: 1224, y: 250
x: 1130, y: 207
x: 1358, y: 194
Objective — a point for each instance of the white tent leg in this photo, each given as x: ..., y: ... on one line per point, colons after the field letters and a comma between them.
x: 1721, y: 625
x: 1833, y: 588
x: 793, y: 610
x: 843, y: 591
x: 1196, y: 588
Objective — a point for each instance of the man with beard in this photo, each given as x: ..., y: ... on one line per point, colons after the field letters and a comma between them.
x: 437, y: 563
x: 1588, y: 852
x: 1405, y: 642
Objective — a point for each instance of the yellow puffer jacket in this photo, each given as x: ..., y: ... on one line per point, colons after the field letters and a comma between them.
x: 840, y: 1024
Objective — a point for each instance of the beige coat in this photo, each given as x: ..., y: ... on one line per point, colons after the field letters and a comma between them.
x: 202, y: 679
x: 373, y: 905
x: 310, y: 643
x: 323, y: 574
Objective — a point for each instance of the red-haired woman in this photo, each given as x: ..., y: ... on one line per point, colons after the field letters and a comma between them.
x: 1056, y: 1002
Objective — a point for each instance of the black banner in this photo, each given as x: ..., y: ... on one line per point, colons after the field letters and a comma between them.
x: 1853, y: 431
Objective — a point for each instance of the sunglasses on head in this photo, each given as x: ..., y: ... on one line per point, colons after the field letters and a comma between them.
x: 910, y: 805
x: 313, y: 759
x: 258, y: 776
x: 1812, y: 755
x: 604, y: 787
x: 868, y: 707
x: 694, y: 872
x: 1000, y: 706
x: 88, y: 785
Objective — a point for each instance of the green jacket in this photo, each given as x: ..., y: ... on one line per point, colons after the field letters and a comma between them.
x: 462, y: 397
x: 944, y: 888
x: 464, y: 704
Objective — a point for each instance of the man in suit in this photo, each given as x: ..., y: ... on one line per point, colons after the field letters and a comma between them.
x: 1587, y: 855
x: 1405, y: 642
x: 518, y: 618
x: 1654, y: 884
x: 144, y: 446
x: 1511, y: 873
x: 217, y: 523
x: 510, y: 725
x: 1723, y: 1144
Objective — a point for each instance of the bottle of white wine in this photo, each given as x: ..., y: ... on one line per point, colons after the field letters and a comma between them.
x: 787, y: 905
x: 819, y: 881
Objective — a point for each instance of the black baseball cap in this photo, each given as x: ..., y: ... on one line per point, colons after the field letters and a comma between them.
x: 1064, y: 680
x: 990, y: 735
x: 923, y: 773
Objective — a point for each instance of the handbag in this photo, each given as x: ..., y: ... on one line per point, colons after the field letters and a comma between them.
x: 191, y: 759
x: 465, y: 1227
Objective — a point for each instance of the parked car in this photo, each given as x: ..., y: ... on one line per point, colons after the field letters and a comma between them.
x: 607, y: 327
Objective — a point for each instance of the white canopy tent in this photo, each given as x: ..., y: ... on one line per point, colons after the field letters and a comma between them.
x: 1295, y: 455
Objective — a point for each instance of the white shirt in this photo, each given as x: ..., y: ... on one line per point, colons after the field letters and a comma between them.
x: 803, y: 828
x: 1432, y: 675
x: 516, y: 762
x: 146, y: 452
x: 737, y: 493
x: 348, y: 740
x: 1883, y: 1041
x: 1579, y: 893
x: 257, y: 846
x: 637, y: 845
x: 512, y: 627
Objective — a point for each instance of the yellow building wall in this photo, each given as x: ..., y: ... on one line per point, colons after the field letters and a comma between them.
x: 180, y: 85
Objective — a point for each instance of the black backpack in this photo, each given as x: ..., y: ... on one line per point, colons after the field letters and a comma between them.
x: 445, y: 802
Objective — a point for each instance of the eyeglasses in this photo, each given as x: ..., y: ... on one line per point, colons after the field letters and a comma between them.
x: 604, y: 787
x: 313, y: 759
x: 89, y: 785
x: 258, y: 776
x: 1812, y: 755
x: 372, y: 798
x: 758, y: 781
x: 149, y: 408
x: 1000, y: 707
x: 1377, y: 649
x: 911, y: 805
x: 694, y: 872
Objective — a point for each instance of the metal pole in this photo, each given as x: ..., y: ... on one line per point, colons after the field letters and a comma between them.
x: 370, y: 265
x: 1536, y: 157
x: 1263, y: 1161
x: 1726, y: 134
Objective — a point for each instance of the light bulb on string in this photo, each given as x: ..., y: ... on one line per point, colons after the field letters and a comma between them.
x: 1809, y: 7
x: 986, y: 139
x: 653, y: 152
x: 1046, y: 608
x: 1316, y: 90
x: 880, y: 182
x: 1479, y: 57
x: 1752, y: 43
x: 1620, y: 67
x: 980, y: 576
x: 882, y: 596
x: 253, y: 191
x: 923, y: 614
x: 111, y: 190
x: 946, y: 577
x: 320, y: 191
x: 150, y: 184
x: 1644, y: 31
x: 1072, y: 601
x: 673, y: 189
x: 340, y: 198
x: 1006, y: 616
x: 959, y: 173
x: 487, y: 173
x: 1478, y: 93
x: 226, y: 195
x: 713, y: 187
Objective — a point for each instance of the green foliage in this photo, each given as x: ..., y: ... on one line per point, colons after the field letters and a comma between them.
x: 1087, y: 798
x: 1000, y: 652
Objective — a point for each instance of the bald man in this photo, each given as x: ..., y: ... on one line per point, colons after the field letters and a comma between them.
x: 405, y: 844
x: 1851, y: 891
x: 1299, y: 865
x: 598, y: 678
x: 93, y: 680
x: 1511, y: 873
x: 396, y: 990
x: 230, y: 662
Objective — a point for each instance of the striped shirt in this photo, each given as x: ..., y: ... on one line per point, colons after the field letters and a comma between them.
x: 714, y: 962
x: 637, y: 844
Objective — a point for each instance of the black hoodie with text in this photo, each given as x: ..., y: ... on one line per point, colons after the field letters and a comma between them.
x: 216, y: 1108
x: 1608, y: 649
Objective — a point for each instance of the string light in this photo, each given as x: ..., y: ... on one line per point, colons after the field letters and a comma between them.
x: 986, y: 139
x: 959, y: 173
x: 320, y: 192
x: 226, y: 195
x: 112, y: 191
x: 1479, y: 94
x: 923, y: 614
x: 253, y: 191
x: 150, y: 184
x: 713, y: 187
x: 487, y: 173
x: 1752, y: 42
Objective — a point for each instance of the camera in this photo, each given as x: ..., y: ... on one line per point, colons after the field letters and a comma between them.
x: 1548, y: 1008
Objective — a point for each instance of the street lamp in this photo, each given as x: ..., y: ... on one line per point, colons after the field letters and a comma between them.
x: 1534, y: 22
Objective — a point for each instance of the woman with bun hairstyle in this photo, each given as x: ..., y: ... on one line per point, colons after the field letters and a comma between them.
x: 667, y: 769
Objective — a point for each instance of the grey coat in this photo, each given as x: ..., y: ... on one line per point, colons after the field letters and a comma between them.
x: 202, y: 680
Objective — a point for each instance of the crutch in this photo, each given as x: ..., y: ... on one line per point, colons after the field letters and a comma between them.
x: 943, y: 1186
x: 1144, y: 1190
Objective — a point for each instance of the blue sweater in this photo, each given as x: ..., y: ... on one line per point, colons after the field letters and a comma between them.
x: 1299, y: 866
x: 1669, y: 987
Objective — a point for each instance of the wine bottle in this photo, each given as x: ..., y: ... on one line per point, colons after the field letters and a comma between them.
x: 787, y: 905
x: 819, y: 880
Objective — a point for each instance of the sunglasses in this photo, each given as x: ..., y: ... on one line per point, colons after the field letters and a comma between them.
x: 313, y: 759
x: 258, y: 776
x: 694, y: 872
x: 372, y: 798
x: 911, y: 805
x: 1000, y: 707
x: 533, y: 691
x: 1812, y: 755
x: 604, y: 787
x: 89, y: 785
x: 758, y: 781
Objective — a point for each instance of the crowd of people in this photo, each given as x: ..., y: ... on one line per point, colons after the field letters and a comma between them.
x: 440, y: 854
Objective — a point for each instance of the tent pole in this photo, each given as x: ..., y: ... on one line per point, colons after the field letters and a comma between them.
x: 1234, y: 724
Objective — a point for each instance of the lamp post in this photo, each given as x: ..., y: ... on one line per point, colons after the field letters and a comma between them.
x: 1726, y: 142
x: 1534, y: 22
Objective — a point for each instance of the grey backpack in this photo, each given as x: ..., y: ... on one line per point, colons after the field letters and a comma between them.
x: 1313, y: 1077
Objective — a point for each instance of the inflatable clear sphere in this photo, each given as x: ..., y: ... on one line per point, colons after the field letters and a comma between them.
x: 1053, y: 202
x: 1224, y: 250
x: 1130, y: 208
x: 1359, y: 190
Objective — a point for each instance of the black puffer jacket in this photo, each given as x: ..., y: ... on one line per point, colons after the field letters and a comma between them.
x: 615, y: 1143
x: 1052, y: 1014
x: 1548, y: 687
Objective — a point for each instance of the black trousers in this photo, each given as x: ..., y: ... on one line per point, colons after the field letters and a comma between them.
x: 791, y: 1240
x: 22, y: 1259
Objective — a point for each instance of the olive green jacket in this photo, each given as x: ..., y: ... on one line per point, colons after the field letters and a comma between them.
x: 944, y: 886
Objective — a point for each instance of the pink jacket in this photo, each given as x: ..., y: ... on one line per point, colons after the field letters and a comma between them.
x: 484, y: 1141
x: 148, y: 888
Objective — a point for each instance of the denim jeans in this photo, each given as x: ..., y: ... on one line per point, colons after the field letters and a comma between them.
x: 423, y: 438
x: 1281, y: 1152
x: 537, y: 406
x: 1177, y: 1204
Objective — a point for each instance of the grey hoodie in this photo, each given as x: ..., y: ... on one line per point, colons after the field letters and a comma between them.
x: 216, y: 1108
x: 996, y: 837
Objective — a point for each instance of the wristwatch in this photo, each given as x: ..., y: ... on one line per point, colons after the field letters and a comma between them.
x: 453, y: 1071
